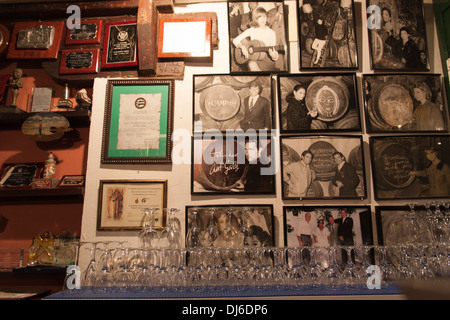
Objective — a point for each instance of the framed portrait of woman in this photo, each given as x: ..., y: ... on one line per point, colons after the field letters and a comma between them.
x: 327, y: 34
x: 411, y: 167
x: 397, y: 35
x: 404, y: 103
x: 258, y: 36
x: 318, y: 103
x: 322, y: 167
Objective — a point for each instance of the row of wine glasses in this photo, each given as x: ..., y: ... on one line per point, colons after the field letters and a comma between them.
x: 168, y: 237
x: 123, y: 267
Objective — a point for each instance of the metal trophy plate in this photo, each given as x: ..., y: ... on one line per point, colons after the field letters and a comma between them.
x: 39, y: 37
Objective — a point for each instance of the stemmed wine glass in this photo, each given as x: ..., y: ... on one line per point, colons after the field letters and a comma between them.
x: 90, y: 274
x: 211, y: 229
x: 171, y: 236
x: 149, y: 236
x: 350, y: 273
x: 244, y: 228
x: 193, y: 235
x: 228, y: 233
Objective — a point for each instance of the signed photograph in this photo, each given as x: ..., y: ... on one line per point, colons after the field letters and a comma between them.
x: 411, y: 167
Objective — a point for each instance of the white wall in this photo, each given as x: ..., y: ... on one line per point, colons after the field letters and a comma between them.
x: 179, y: 176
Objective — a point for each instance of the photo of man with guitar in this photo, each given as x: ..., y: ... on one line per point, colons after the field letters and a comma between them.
x: 258, y: 38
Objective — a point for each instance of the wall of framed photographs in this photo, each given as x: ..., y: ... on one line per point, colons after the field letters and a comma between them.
x: 354, y: 113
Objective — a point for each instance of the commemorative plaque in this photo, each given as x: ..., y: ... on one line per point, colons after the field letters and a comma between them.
x: 20, y: 175
x: 79, y: 61
x: 120, y: 45
x: 88, y: 33
x: 35, y: 40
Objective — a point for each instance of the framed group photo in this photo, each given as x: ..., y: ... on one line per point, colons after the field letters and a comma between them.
x: 138, y: 122
x: 411, y: 167
x: 321, y: 227
x: 327, y: 36
x: 232, y: 165
x: 228, y: 226
x: 397, y: 35
x: 258, y: 37
x: 121, y: 203
x: 228, y: 102
x: 318, y: 103
x: 404, y: 103
x: 322, y: 167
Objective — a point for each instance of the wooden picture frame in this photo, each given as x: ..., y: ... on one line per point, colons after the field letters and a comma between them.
x: 44, y: 44
x: 236, y: 165
x: 120, y: 45
x: 90, y: 32
x: 327, y: 35
x: 222, y: 102
x: 79, y: 61
x: 138, y: 122
x: 250, y: 226
x: 410, y: 167
x: 121, y: 203
x: 242, y: 24
x: 318, y: 103
x: 397, y: 35
x: 310, y: 167
x: 184, y: 37
x: 399, y: 103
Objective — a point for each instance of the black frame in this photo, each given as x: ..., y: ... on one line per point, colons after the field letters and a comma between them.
x: 240, y: 183
x: 364, y: 237
x: 341, y: 42
x: 239, y: 85
x: 345, y: 89
x: 282, y: 44
x: 402, y: 18
x: 409, y: 155
x: 326, y: 167
x: 236, y: 222
x: 385, y: 87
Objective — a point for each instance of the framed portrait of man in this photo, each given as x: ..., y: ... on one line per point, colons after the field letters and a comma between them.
x: 258, y: 37
x: 322, y: 167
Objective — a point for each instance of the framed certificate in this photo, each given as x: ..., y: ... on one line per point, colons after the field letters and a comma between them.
x: 79, y: 61
x: 120, y: 45
x: 121, y: 203
x: 138, y: 122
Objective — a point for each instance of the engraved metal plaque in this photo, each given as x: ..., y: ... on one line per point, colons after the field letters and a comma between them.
x: 39, y: 37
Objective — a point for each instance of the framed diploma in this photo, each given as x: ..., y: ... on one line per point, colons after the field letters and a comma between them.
x: 79, y: 61
x: 121, y: 203
x: 35, y: 40
x: 138, y: 122
x: 184, y: 38
x: 120, y: 45
x: 89, y: 33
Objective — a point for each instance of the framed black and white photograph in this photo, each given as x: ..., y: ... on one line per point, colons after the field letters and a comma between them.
x: 404, y: 103
x: 232, y: 165
x: 228, y: 102
x: 327, y: 36
x: 318, y: 103
x: 411, y: 167
x: 322, y: 167
x: 258, y: 36
x: 397, y: 35
x: 229, y: 226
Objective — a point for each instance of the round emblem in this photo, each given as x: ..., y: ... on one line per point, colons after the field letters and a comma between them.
x: 140, y: 103
x: 122, y: 35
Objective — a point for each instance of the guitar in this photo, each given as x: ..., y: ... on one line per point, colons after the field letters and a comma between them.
x: 256, y: 50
